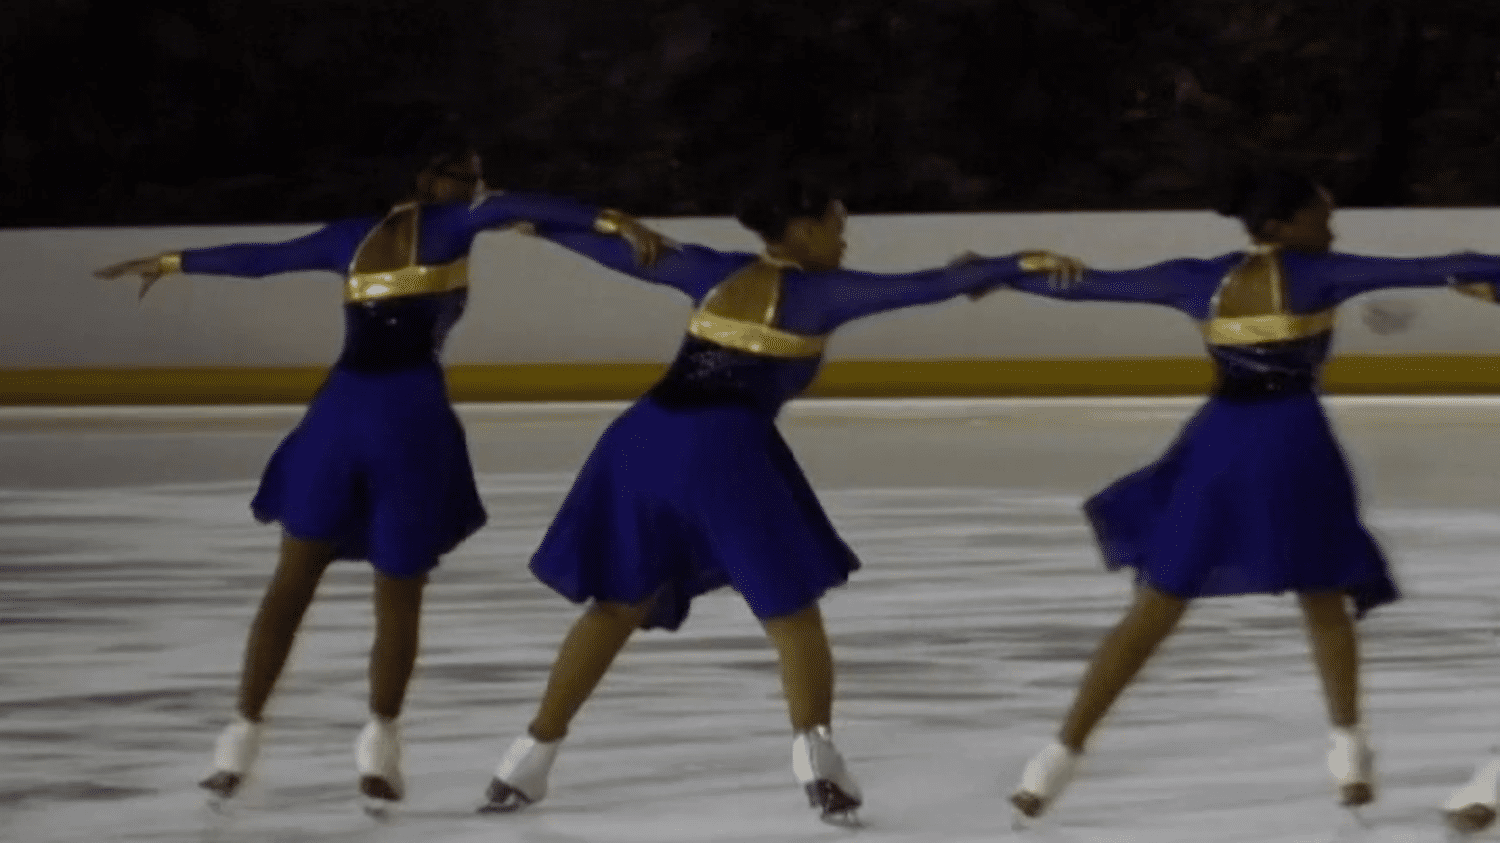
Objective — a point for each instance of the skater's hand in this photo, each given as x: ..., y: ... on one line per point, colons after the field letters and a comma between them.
x: 150, y: 270
x: 966, y: 258
x: 646, y: 244
x: 1062, y: 272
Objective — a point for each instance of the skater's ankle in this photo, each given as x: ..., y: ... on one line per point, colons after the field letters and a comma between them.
x: 541, y: 735
x: 1074, y: 746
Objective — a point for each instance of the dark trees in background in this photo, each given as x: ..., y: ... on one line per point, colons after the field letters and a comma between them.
x: 283, y: 110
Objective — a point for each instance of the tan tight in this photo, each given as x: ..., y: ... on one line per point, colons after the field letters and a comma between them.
x: 398, y: 610
x: 601, y: 632
x: 1153, y: 616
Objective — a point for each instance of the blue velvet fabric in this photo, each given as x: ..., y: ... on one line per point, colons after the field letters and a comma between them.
x: 379, y: 465
x: 693, y: 487
x: 1255, y: 495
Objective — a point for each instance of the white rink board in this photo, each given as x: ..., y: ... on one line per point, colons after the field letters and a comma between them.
x: 533, y: 302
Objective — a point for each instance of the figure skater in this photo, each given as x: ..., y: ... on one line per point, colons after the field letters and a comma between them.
x: 378, y: 468
x: 693, y: 487
x: 1255, y: 495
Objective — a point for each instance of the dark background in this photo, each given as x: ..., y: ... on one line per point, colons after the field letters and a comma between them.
x: 117, y: 112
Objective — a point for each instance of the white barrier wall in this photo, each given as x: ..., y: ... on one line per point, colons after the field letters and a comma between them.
x: 533, y: 302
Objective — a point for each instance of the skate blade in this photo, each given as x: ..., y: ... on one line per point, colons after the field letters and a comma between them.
x: 842, y: 819
x: 1470, y: 819
x: 835, y: 806
x: 378, y: 788
x: 221, y: 785
x: 1027, y: 804
x: 1355, y: 795
x: 502, y: 799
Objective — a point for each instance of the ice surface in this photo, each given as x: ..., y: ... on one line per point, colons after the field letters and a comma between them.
x: 131, y: 568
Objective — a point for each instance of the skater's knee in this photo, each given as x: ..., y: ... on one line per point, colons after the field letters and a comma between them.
x: 1324, y: 607
x: 1156, y: 607
x: 629, y: 615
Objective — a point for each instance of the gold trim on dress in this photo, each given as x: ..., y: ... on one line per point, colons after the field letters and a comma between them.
x: 407, y: 281
x: 393, y: 242
x: 608, y: 221
x: 1250, y: 306
x: 740, y: 313
x: 1482, y: 290
x: 1270, y: 327
x: 756, y: 339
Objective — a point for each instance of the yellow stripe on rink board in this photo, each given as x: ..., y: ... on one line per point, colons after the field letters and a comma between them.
x: 1354, y: 375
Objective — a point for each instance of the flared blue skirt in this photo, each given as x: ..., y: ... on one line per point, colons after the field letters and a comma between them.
x: 379, y: 467
x: 1252, y: 497
x: 673, y: 503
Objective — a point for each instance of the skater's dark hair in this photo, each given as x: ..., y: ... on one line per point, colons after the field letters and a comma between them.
x: 771, y: 205
x: 1259, y: 194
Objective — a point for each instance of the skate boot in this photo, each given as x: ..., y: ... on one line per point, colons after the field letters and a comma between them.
x: 235, y: 752
x: 1472, y: 807
x: 521, y: 776
x: 1352, y: 763
x: 820, y: 770
x: 377, y: 756
x: 1042, y: 782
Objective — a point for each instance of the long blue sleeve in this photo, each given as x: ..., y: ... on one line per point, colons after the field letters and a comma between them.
x: 500, y: 209
x: 329, y: 248
x: 1169, y: 284
x: 1335, y: 277
x: 692, y: 269
x: 822, y: 301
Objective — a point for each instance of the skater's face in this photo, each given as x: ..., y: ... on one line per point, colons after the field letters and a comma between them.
x: 1308, y: 230
x: 817, y: 243
x: 460, y: 180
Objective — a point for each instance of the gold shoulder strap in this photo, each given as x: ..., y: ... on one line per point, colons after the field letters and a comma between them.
x: 1250, y: 306
x: 739, y: 313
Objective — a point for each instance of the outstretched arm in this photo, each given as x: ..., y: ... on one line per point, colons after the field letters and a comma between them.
x: 1339, y: 277
x: 690, y: 268
x: 1162, y: 283
x: 328, y: 248
x: 849, y: 294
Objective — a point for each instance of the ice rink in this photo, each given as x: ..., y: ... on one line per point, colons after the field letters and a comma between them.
x: 131, y: 568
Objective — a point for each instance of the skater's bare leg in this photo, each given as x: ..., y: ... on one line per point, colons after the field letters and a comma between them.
x: 1335, y: 652
x: 298, y: 572
x: 586, y: 654
x: 290, y: 592
x: 806, y: 666
x: 1151, y: 618
x: 807, y: 681
x: 398, y: 618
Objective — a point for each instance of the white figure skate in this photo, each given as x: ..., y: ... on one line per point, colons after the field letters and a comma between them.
x: 235, y: 752
x: 1046, y: 775
x: 1472, y: 807
x: 377, y: 756
x: 819, y: 768
x: 1352, y: 763
x: 521, y: 776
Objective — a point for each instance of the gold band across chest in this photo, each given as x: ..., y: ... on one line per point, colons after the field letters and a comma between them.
x: 1270, y: 327
x: 407, y: 281
x: 754, y: 338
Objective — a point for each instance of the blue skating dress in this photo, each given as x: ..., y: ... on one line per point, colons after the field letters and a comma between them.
x: 1255, y: 496
x: 379, y: 465
x: 693, y: 487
